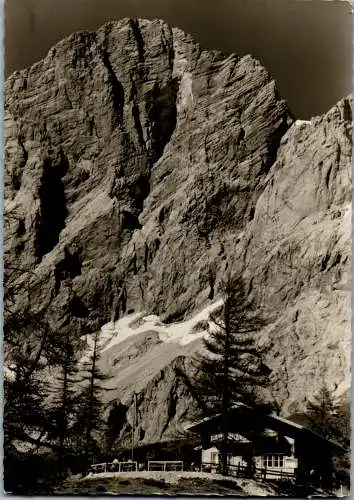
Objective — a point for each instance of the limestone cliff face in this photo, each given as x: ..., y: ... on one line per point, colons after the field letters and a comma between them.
x: 138, y: 163
x: 165, y: 404
x: 298, y: 252
x: 124, y: 149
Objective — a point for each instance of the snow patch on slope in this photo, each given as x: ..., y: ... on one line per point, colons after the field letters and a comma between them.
x: 302, y: 122
x: 181, y: 333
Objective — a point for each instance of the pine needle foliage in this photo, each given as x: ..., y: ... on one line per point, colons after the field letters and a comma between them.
x: 89, y: 422
x: 231, y: 369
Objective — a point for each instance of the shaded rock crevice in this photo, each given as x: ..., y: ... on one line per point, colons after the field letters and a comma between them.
x: 140, y: 44
x: 68, y: 268
x: 163, y: 116
x: 53, y: 208
x: 118, y: 96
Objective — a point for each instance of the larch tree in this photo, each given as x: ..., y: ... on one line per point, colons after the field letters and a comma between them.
x: 63, y: 405
x: 25, y: 398
x: 231, y: 368
x: 331, y: 419
x: 321, y: 413
x: 90, y: 405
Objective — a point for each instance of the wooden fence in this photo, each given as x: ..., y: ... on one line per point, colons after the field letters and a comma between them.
x: 243, y: 471
x: 177, y: 465
x: 165, y: 465
x: 114, y: 467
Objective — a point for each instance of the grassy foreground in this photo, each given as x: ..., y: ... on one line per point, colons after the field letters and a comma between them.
x: 181, y: 483
x: 164, y: 483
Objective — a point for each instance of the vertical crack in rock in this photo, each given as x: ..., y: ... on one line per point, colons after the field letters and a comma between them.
x: 134, y: 23
x: 116, y: 86
x: 163, y: 116
x: 18, y: 177
x: 137, y: 123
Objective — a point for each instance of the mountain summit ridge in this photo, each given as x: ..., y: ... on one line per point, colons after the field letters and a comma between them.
x: 138, y: 164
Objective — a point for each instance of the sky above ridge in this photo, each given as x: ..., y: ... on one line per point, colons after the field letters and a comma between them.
x: 306, y: 45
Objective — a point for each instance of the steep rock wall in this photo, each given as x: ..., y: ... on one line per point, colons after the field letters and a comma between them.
x: 137, y: 164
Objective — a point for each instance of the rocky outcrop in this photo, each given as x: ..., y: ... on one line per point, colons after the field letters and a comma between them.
x: 297, y: 255
x: 162, y: 407
x: 136, y: 138
x: 138, y: 164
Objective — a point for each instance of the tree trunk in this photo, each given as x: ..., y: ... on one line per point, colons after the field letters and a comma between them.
x: 63, y: 421
x: 90, y: 403
x: 225, y: 402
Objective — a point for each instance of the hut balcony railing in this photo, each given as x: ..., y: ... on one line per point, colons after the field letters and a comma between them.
x: 244, y: 471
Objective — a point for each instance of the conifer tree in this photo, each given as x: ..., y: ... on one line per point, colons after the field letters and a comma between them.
x: 90, y: 406
x: 331, y: 419
x: 232, y: 367
x: 63, y: 405
x: 321, y: 413
x: 24, y: 420
x: 23, y: 402
x: 341, y: 461
x: 28, y: 346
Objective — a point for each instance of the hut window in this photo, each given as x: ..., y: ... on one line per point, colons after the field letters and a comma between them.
x: 214, y: 457
x: 273, y: 461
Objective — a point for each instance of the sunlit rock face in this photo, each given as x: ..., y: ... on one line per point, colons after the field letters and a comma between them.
x: 138, y: 166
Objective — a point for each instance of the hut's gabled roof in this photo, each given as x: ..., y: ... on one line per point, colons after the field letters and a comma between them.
x: 244, y: 420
